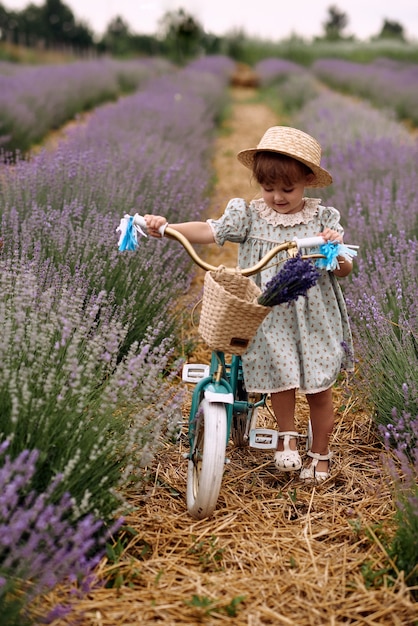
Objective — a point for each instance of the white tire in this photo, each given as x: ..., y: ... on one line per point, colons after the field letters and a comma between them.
x: 206, y: 465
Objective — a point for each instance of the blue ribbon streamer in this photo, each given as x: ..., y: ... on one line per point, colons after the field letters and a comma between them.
x: 331, y: 251
x: 129, y: 240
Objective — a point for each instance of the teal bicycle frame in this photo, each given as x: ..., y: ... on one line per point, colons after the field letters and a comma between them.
x: 225, y: 380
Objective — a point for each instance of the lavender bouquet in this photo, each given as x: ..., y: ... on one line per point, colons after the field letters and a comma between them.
x: 293, y: 280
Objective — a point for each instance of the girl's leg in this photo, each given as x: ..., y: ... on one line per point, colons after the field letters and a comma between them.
x: 283, y: 404
x: 286, y: 457
x: 322, y: 421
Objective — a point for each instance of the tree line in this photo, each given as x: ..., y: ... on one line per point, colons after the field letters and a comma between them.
x: 180, y: 36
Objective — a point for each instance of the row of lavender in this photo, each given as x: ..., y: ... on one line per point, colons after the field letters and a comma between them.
x: 87, y: 332
x: 388, y: 84
x: 37, y: 99
x: 374, y: 161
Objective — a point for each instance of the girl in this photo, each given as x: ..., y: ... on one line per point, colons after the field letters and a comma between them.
x: 304, y: 345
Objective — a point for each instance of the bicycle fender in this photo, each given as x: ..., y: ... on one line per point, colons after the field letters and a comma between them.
x: 218, y: 396
x: 218, y: 393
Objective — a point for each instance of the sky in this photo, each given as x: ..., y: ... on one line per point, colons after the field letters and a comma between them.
x: 266, y: 19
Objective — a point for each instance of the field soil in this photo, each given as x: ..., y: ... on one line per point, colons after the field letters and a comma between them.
x: 275, y: 551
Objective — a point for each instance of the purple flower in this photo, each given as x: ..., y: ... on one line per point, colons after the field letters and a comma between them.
x: 38, y: 541
x: 295, y: 278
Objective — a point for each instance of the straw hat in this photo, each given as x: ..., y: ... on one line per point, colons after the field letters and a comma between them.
x: 293, y: 143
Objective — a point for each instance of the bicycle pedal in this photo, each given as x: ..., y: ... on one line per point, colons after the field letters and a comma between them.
x: 264, y: 438
x: 193, y: 372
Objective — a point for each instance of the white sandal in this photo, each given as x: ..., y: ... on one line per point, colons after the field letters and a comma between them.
x: 287, y: 460
x: 309, y: 473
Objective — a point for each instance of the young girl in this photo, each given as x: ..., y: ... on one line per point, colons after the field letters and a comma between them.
x: 302, y: 345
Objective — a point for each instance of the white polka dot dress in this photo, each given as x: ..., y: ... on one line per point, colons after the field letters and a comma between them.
x: 304, y: 344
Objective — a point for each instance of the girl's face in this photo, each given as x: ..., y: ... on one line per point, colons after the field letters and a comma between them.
x: 283, y: 199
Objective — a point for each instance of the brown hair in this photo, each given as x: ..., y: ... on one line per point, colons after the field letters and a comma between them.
x: 270, y: 167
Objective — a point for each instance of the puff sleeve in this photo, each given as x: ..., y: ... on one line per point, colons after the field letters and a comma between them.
x: 234, y: 225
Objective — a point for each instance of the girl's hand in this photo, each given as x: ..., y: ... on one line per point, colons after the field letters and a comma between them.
x: 154, y: 223
x: 345, y: 266
x: 331, y: 235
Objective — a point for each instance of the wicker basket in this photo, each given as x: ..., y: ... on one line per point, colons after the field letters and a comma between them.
x: 230, y: 313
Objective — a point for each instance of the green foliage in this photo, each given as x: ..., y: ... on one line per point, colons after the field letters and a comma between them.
x: 12, y: 605
x: 335, y: 24
x: 373, y: 577
x: 376, y: 572
x: 305, y: 52
x: 401, y: 551
x: 53, y: 24
x: 404, y: 547
x: 392, y: 29
x: 207, y: 607
x: 209, y: 554
x: 183, y: 35
x: 123, y: 570
x: 96, y: 416
x: 205, y: 604
x: 389, y: 366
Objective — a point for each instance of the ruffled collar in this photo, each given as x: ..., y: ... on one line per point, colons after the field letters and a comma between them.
x: 310, y: 209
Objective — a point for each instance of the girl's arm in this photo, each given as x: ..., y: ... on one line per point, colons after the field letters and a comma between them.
x: 345, y: 266
x: 195, y: 232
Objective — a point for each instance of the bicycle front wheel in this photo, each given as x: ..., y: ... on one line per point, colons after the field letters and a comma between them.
x: 206, y: 465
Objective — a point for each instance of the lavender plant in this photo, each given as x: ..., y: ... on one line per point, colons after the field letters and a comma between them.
x: 287, y: 85
x: 83, y: 378
x: 40, y: 545
x: 387, y: 83
x: 65, y: 206
x: 401, y: 438
x: 274, y: 70
x: 389, y: 355
x: 64, y: 392
x: 374, y: 164
x: 217, y: 64
x: 373, y: 160
x: 31, y: 104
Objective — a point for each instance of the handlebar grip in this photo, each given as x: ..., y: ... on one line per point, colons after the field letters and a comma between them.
x: 309, y: 242
x: 139, y: 220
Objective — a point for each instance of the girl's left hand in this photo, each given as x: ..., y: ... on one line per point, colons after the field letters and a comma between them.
x: 331, y: 235
x: 345, y: 265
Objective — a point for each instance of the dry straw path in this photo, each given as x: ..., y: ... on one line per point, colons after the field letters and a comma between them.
x: 275, y: 551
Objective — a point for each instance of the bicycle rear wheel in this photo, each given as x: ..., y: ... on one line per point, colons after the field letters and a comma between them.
x: 239, y: 419
x: 206, y: 465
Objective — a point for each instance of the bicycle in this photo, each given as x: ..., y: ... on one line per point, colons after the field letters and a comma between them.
x: 221, y: 408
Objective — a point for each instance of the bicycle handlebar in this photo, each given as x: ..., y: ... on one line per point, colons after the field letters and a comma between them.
x: 166, y: 231
x: 306, y: 242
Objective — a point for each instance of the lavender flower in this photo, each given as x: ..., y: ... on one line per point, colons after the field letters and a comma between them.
x: 31, y: 104
x: 39, y: 545
x: 274, y: 70
x: 294, y: 279
x: 387, y: 83
x: 81, y: 378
